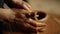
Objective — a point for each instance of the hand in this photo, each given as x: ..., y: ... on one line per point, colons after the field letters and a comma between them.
x: 14, y: 3
x: 28, y: 24
x: 15, y: 16
x: 18, y: 4
x: 22, y: 23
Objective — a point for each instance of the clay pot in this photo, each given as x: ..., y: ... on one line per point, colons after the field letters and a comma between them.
x: 41, y: 16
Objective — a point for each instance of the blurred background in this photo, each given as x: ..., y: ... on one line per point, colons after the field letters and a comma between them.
x: 51, y: 6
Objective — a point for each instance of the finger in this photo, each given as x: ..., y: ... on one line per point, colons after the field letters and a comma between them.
x: 36, y: 24
x: 18, y: 1
x: 30, y: 27
x: 40, y: 24
x: 40, y: 29
x: 29, y: 6
x: 26, y: 7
